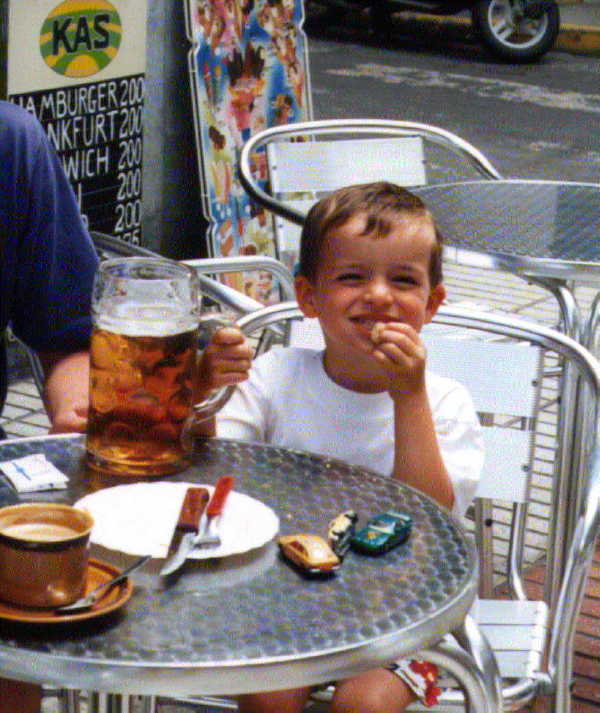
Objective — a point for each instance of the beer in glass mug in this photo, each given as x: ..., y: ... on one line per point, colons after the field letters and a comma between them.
x: 143, y: 365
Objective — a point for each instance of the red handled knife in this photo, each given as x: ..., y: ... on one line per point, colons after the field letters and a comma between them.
x: 193, y: 505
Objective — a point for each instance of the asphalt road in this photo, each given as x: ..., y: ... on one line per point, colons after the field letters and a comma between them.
x: 536, y: 121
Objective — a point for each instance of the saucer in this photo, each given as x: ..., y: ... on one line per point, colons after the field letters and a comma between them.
x: 98, y: 573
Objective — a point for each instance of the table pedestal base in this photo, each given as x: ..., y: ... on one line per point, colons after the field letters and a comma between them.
x: 70, y: 702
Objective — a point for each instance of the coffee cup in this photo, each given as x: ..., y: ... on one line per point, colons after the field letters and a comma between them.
x: 44, y: 551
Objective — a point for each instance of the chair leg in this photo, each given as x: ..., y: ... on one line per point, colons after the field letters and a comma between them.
x: 473, y: 664
x: 69, y: 701
x: 120, y: 703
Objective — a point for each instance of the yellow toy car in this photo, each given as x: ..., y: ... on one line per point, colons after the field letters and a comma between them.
x: 309, y: 552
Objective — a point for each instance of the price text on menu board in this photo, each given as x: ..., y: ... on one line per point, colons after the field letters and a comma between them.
x: 97, y: 131
x: 79, y: 67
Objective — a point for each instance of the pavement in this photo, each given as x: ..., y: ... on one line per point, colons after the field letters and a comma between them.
x: 579, y: 26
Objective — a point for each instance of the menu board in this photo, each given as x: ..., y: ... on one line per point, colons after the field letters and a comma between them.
x: 249, y: 71
x: 79, y: 67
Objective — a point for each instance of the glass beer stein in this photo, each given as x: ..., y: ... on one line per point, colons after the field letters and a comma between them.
x: 146, y: 316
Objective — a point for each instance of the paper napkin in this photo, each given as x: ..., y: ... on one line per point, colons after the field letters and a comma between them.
x: 32, y: 473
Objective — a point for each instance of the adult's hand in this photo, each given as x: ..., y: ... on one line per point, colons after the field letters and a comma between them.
x: 66, y: 394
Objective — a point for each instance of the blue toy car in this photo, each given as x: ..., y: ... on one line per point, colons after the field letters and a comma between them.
x: 383, y: 532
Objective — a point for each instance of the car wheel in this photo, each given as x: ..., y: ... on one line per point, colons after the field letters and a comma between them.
x: 517, y: 30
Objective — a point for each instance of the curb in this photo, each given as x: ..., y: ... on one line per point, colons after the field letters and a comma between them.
x: 576, y: 39
x: 579, y: 39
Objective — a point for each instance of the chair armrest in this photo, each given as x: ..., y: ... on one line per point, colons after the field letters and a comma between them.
x: 228, y: 296
x: 220, y: 265
x: 579, y: 557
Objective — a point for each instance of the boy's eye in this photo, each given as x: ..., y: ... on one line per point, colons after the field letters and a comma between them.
x: 405, y: 280
x: 349, y: 276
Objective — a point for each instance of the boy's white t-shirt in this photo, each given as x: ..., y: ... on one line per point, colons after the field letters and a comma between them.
x: 290, y: 401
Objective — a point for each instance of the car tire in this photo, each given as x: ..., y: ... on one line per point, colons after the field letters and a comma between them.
x: 510, y: 34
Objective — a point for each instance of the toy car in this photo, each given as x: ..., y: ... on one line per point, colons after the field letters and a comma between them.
x: 309, y: 552
x: 340, y: 531
x: 382, y: 533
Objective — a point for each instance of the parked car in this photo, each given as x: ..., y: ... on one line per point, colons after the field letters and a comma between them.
x: 512, y: 30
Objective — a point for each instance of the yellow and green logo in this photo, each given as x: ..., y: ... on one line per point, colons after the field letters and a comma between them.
x: 80, y: 37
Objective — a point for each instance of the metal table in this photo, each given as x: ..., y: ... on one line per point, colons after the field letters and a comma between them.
x: 546, y: 231
x: 250, y: 622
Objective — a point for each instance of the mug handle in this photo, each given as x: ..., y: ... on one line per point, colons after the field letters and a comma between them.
x: 248, y: 324
x: 209, y: 324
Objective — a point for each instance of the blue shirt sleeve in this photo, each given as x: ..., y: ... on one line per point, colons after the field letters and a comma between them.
x: 49, y: 260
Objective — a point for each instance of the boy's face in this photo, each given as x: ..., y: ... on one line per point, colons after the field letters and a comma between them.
x: 362, y: 280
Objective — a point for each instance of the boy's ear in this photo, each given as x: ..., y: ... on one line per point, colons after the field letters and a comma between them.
x: 436, y: 297
x: 305, y: 296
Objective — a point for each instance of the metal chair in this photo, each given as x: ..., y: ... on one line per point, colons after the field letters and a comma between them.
x: 531, y: 639
x: 309, y: 159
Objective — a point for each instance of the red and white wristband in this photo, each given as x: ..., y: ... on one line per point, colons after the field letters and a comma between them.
x: 421, y: 677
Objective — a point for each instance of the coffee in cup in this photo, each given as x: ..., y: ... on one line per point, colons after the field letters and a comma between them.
x: 44, y: 551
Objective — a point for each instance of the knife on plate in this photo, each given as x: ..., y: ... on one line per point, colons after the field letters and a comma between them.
x: 193, y: 505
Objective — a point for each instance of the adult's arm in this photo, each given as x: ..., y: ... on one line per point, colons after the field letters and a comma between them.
x: 51, y: 256
x: 48, y: 263
x: 66, y: 390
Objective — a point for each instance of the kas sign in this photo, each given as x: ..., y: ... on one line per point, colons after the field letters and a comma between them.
x: 80, y: 38
x: 79, y: 66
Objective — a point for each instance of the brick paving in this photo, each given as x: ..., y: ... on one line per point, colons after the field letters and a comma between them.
x: 24, y: 413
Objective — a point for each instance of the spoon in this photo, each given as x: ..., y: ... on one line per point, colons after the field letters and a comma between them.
x: 90, y: 599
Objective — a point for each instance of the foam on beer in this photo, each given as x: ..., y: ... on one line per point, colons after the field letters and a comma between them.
x: 159, y: 320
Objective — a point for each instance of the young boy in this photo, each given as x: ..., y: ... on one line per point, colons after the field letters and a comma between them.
x: 370, y: 271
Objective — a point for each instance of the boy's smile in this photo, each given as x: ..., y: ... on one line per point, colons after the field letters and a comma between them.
x: 364, y: 280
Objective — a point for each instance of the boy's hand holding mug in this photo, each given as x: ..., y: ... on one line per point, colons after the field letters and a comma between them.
x: 401, y: 353
x: 225, y: 361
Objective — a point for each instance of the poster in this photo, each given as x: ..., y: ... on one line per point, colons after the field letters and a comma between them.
x: 79, y: 67
x: 249, y: 68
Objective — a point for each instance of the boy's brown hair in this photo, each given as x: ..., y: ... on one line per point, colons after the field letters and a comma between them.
x: 382, y: 203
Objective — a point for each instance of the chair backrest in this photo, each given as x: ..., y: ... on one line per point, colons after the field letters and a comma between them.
x: 322, y: 166
x: 309, y: 159
x: 508, y: 409
x: 312, y: 169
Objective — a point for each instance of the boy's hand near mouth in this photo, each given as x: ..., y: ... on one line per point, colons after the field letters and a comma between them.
x: 400, y: 351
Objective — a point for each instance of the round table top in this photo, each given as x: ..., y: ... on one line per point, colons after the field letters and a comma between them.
x: 540, y: 228
x: 250, y: 622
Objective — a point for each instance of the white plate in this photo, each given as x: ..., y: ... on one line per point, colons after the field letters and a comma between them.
x: 139, y: 519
